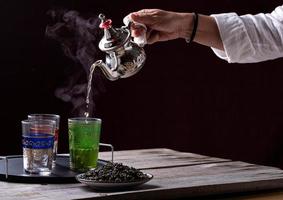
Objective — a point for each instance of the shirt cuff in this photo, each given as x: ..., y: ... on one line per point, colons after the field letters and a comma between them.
x: 236, y: 42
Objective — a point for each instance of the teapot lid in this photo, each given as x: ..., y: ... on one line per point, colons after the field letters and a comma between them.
x: 113, y: 37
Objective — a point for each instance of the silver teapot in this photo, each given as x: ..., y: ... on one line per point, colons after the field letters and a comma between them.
x: 124, y: 55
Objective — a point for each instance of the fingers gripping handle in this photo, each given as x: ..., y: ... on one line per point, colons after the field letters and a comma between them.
x: 141, y: 40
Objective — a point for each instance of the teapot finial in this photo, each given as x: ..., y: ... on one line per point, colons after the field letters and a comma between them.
x: 105, y: 24
x: 101, y: 17
x: 113, y: 37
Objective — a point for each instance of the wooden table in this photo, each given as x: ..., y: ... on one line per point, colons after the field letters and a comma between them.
x: 176, y: 175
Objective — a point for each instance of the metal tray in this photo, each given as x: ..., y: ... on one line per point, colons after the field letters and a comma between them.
x: 61, y: 173
x: 11, y: 170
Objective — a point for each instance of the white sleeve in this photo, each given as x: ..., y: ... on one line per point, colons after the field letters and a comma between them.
x: 250, y: 38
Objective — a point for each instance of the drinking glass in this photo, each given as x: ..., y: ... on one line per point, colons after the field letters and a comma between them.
x: 84, y: 136
x: 54, y: 117
x: 38, y: 142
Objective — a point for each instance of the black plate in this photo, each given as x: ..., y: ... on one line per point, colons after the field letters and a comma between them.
x: 61, y: 173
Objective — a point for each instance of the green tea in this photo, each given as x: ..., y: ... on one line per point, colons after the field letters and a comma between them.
x: 84, y: 135
x: 83, y: 159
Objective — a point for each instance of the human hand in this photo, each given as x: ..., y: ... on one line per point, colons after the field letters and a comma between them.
x: 161, y: 25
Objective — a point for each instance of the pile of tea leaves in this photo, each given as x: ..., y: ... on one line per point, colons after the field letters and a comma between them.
x: 114, y: 173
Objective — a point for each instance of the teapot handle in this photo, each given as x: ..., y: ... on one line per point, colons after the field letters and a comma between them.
x: 141, y: 40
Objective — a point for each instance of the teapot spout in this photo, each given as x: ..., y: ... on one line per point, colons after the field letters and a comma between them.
x: 109, y: 74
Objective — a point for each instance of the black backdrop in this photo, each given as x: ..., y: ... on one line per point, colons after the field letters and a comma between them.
x: 184, y: 98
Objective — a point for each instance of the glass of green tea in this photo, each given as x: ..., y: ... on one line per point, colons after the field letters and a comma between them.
x: 84, y: 136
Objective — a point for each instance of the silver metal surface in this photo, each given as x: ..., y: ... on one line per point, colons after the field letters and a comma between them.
x: 112, y: 149
x: 6, y: 158
x: 124, y: 57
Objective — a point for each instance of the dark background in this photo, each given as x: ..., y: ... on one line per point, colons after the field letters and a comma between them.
x: 184, y: 98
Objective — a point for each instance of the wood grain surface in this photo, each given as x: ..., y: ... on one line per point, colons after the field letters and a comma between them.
x: 176, y: 175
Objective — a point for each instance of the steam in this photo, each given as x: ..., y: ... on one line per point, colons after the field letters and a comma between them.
x: 78, y: 36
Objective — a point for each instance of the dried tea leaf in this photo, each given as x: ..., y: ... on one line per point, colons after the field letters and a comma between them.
x: 115, y: 173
